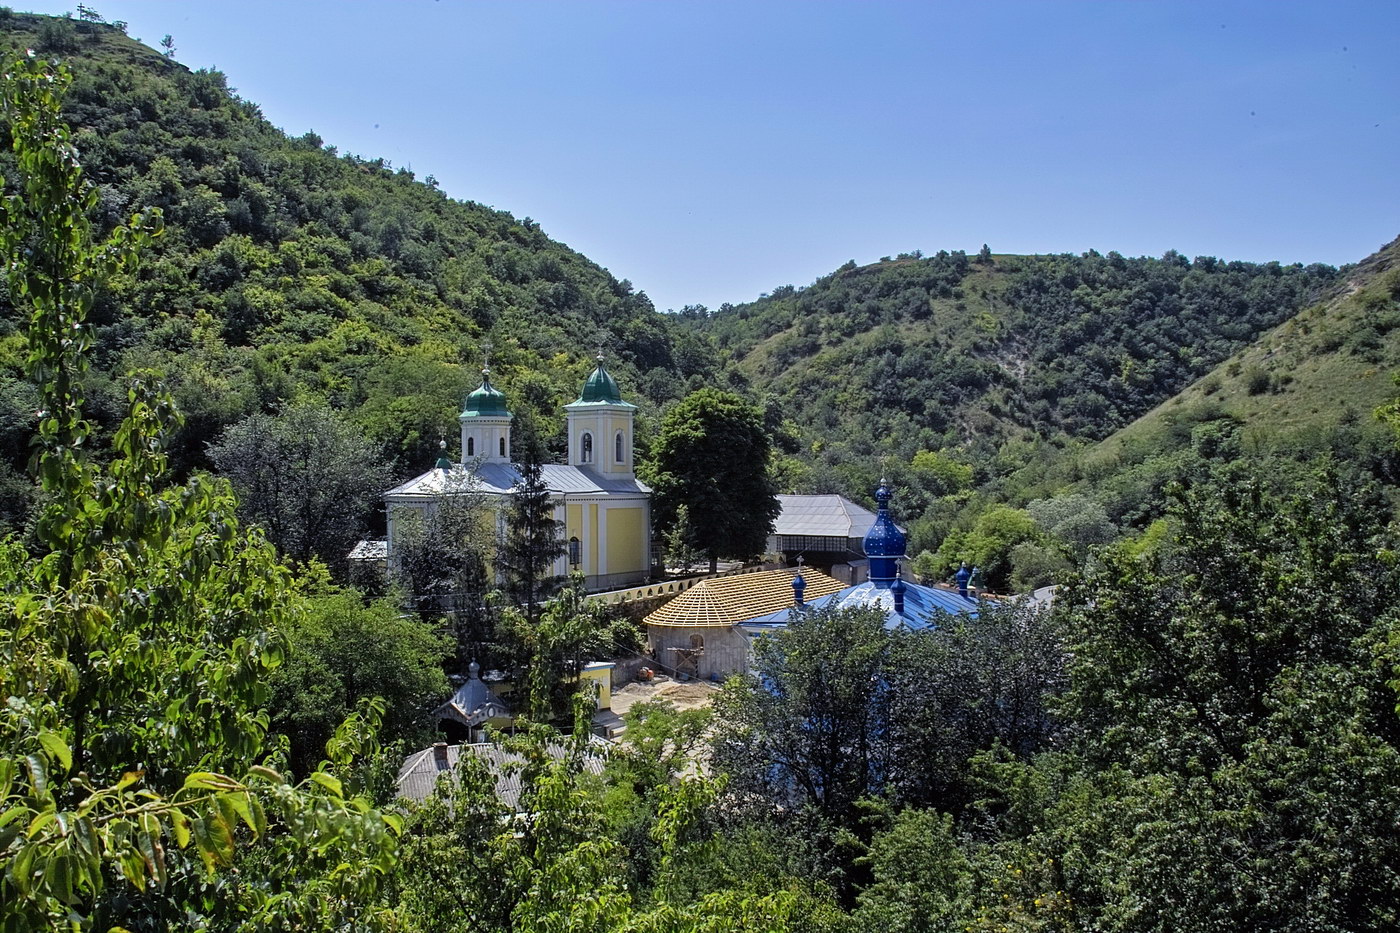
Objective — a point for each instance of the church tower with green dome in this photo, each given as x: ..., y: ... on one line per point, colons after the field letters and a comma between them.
x: 600, y: 427
x: 485, y: 421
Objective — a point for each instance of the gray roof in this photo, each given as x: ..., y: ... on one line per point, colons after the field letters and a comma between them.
x: 374, y: 549
x: 822, y: 516
x: 473, y: 703
x: 502, y: 478
x: 421, y: 770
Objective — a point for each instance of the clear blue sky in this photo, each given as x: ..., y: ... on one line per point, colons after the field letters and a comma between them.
x: 712, y: 151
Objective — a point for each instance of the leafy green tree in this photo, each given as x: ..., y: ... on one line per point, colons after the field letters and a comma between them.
x: 341, y: 651
x: 806, y: 732
x: 712, y: 455
x: 962, y: 689
x: 441, y: 559
x: 553, y: 648
x: 1236, y: 762
x: 307, y: 476
x: 921, y: 877
x: 989, y: 543
x: 680, y: 551
x: 140, y: 630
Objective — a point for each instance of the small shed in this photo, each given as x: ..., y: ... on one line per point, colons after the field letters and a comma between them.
x: 694, y: 634
x: 472, y: 707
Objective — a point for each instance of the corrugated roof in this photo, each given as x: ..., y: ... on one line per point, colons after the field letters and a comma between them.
x: 502, y: 478
x: 924, y: 606
x: 421, y: 770
x: 473, y: 703
x: 822, y: 516
x: 728, y: 600
x: 373, y: 549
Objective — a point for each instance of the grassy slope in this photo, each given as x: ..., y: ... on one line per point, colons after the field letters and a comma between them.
x: 1329, y: 365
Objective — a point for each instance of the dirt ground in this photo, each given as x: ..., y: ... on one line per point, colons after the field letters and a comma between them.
x: 690, y: 695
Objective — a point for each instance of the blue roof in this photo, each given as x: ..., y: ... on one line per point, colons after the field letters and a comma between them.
x: 924, y: 606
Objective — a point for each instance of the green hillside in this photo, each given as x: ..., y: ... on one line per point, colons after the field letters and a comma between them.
x: 964, y: 355
x: 289, y: 269
x: 1307, y: 385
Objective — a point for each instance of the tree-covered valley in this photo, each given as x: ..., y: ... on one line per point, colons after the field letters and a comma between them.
x: 201, y: 404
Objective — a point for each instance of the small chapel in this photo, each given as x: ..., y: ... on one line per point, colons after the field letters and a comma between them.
x: 603, y: 509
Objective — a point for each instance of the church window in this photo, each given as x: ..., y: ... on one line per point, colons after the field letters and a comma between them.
x: 586, y: 448
x: 471, y: 447
x: 503, y: 447
x: 617, y: 444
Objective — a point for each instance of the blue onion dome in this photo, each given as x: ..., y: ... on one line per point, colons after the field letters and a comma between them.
x: 884, y: 543
x: 486, y: 401
x: 601, y: 386
x: 442, y: 462
x: 798, y: 585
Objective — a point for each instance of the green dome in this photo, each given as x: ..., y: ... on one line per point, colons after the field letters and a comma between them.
x: 485, y: 402
x: 601, y: 387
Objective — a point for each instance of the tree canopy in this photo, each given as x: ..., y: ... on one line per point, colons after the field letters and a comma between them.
x: 712, y: 456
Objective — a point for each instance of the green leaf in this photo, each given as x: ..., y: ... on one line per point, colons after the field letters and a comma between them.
x: 329, y: 781
x: 180, y: 826
x: 242, y: 804
x: 208, y: 780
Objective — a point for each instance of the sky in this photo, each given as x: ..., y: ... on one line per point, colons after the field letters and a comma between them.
x: 709, y: 152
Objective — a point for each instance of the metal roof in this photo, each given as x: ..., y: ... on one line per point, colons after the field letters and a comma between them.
x: 421, y: 770
x: 373, y: 549
x: 728, y: 600
x: 473, y: 704
x: 822, y: 516
x: 924, y: 606
x: 503, y: 478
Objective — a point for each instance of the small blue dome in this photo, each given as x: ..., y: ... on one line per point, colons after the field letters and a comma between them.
x: 884, y: 543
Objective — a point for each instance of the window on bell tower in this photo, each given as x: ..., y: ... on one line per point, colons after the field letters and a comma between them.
x: 617, y: 448
x: 586, y: 448
x: 471, y: 447
x: 503, y: 446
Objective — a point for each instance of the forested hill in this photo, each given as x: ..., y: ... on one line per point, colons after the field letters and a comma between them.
x: 959, y: 353
x: 289, y: 269
x: 1309, y: 385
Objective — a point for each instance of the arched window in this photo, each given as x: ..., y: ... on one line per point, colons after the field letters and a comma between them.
x: 471, y: 447
x: 617, y: 448
x: 697, y: 641
x: 503, y: 446
x: 586, y: 448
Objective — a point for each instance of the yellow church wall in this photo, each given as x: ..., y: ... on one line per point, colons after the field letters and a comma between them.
x: 593, y: 538
x: 624, y: 540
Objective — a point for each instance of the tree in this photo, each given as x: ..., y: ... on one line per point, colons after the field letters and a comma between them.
x: 553, y: 648
x: 168, y: 43
x: 680, y: 552
x: 1236, y: 762
x: 962, y: 689
x: 989, y: 543
x: 139, y: 633
x: 712, y: 455
x: 806, y: 731
x: 341, y: 651
x: 441, y: 561
x: 307, y: 476
x: 533, y: 538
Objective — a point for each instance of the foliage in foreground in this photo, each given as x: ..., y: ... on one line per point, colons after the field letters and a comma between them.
x: 139, y: 635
